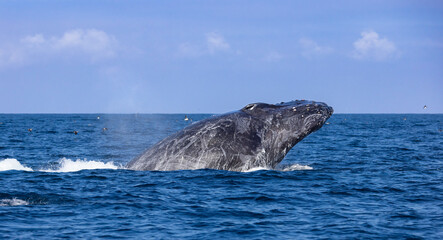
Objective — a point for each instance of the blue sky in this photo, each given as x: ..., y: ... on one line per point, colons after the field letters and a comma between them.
x: 217, y: 56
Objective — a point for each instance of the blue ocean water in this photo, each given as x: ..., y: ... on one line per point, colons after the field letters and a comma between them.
x: 360, y: 176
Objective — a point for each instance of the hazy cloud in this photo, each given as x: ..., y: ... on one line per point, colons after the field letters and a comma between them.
x: 95, y: 42
x: 371, y: 46
x: 92, y: 43
x: 431, y: 43
x: 35, y: 40
x: 11, y: 56
x: 273, y: 56
x: 190, y: 50
x: 312, y: 49
x: 216, y: 42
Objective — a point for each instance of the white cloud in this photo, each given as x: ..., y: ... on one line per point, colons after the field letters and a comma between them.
x: 311, y: 49
x: 90, y: 43
x: 36, y: 39
x: 216, y: 42
x: 371, y: 46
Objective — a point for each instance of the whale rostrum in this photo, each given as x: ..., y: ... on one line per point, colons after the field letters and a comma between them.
x: 258, y: 135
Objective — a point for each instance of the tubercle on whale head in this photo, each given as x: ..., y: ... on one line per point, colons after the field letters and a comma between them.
x: 292, y: 109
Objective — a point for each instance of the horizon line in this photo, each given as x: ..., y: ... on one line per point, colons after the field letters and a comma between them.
x: 193, y: 113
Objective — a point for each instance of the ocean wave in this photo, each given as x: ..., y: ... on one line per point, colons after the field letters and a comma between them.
x: 63, y: 165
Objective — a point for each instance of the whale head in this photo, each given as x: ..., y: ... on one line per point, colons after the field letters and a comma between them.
x: 286, y: 124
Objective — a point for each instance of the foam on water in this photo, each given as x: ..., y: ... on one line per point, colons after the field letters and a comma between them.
x: 257, y: 169
x: 64, y: 165
x: 294, y: 167
x: 12, y: 202
x: 12, y: 164
x: 67, y: 165
x: 284, y: 168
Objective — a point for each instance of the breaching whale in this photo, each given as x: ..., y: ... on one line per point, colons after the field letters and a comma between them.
x: 258, y: 135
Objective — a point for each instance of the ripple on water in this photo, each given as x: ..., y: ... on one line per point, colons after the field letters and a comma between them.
x: 371, y: 177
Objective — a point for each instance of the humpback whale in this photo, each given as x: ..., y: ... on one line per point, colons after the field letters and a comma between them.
x: 258, y: 135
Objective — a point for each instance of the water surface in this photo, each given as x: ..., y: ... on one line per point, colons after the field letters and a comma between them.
x: 360, y: 176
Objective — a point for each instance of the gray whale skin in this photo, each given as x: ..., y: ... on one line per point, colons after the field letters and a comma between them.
x: 258, y: 135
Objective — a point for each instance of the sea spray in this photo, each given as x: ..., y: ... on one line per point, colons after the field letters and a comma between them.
x: 12, y: 164
x: 68, y: 165
x: 63, y: 165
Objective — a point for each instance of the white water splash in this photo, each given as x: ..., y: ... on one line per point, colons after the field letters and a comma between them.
x: 67, y: 165
x: 12, y: 164
x: 64, y: 165
x: 12, y: 202
x: 295, y: 167
x: 284, y: 168
x: 257, y: 169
